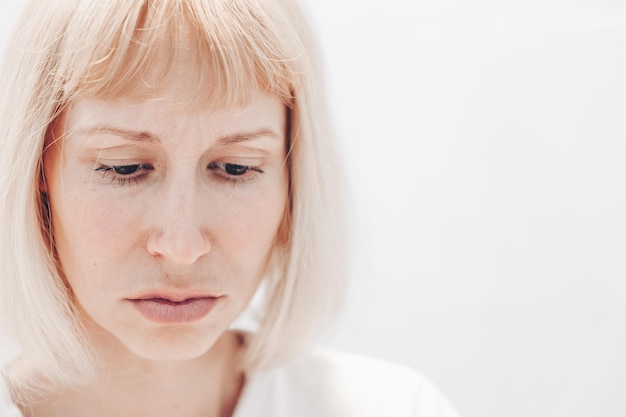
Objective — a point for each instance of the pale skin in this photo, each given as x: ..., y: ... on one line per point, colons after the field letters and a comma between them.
x: 157, y: 197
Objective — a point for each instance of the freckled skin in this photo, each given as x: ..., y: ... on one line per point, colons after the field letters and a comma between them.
x: 178, y: 223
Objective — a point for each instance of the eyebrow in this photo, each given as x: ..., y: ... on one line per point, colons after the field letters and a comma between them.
x: 132, y: 135
x: 247, y: 136
x: 147, y: 137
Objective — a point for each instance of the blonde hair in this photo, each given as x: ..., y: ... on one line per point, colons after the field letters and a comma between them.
x: 72, y: 48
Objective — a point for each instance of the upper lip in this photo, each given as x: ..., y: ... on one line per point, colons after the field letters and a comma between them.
x: 175, y: 297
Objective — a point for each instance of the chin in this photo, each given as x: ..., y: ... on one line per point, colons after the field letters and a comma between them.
x: 168, y: 343
x: 176, y: 344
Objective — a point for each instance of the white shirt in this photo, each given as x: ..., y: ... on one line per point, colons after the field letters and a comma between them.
x: 328, y: 384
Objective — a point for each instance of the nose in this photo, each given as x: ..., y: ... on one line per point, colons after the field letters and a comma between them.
x: 179, y: 234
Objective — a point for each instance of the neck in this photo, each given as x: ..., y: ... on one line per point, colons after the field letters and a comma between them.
x: 208, y: 386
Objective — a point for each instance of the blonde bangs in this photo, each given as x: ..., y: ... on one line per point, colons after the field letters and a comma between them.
x: 227, y: 51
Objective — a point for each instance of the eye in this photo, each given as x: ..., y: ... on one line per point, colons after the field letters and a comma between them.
x: 125, y: 169
x: 124, y: 174
x: 234, y: 169
x: 234, y: 172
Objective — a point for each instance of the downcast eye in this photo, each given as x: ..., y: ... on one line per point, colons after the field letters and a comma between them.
x: 234, y: 169
x: 234, y: 172
x: 126, y: 169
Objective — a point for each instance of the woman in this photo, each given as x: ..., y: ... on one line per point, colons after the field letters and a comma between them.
x: 163, y: 162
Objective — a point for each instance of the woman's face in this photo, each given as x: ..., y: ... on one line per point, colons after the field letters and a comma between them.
x: 164, y: 219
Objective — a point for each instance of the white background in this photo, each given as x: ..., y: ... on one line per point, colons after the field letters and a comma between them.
x: 485, y: 144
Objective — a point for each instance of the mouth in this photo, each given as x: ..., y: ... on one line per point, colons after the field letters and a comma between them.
x: 174, y: 308
x: 171, y: 302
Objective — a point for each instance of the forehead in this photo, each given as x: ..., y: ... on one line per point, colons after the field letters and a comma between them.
x: 92, y: 123
x: 264, y: 110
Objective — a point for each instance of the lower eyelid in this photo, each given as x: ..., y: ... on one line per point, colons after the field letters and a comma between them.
x: 110, y: 171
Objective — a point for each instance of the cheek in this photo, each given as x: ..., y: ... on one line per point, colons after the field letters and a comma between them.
x: 90, y: 226
x: 258, y: 221
x: 246, y: 232
x: 86, y: 236
x: 110, y: 226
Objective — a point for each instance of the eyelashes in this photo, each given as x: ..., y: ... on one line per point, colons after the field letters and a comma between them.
x: 134, y: 173
x: 125, y: 174
x: 234, y: 171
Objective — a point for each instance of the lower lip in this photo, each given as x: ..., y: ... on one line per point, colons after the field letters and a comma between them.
x: 164, y: 311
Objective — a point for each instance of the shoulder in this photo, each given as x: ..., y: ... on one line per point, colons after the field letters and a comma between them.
x: 329, y: 383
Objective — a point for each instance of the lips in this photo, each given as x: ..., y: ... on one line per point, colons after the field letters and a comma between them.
x: 174, y: 308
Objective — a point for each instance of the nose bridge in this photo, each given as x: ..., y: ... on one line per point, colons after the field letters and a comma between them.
x: 180, y: 195
x: 179, y: 232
